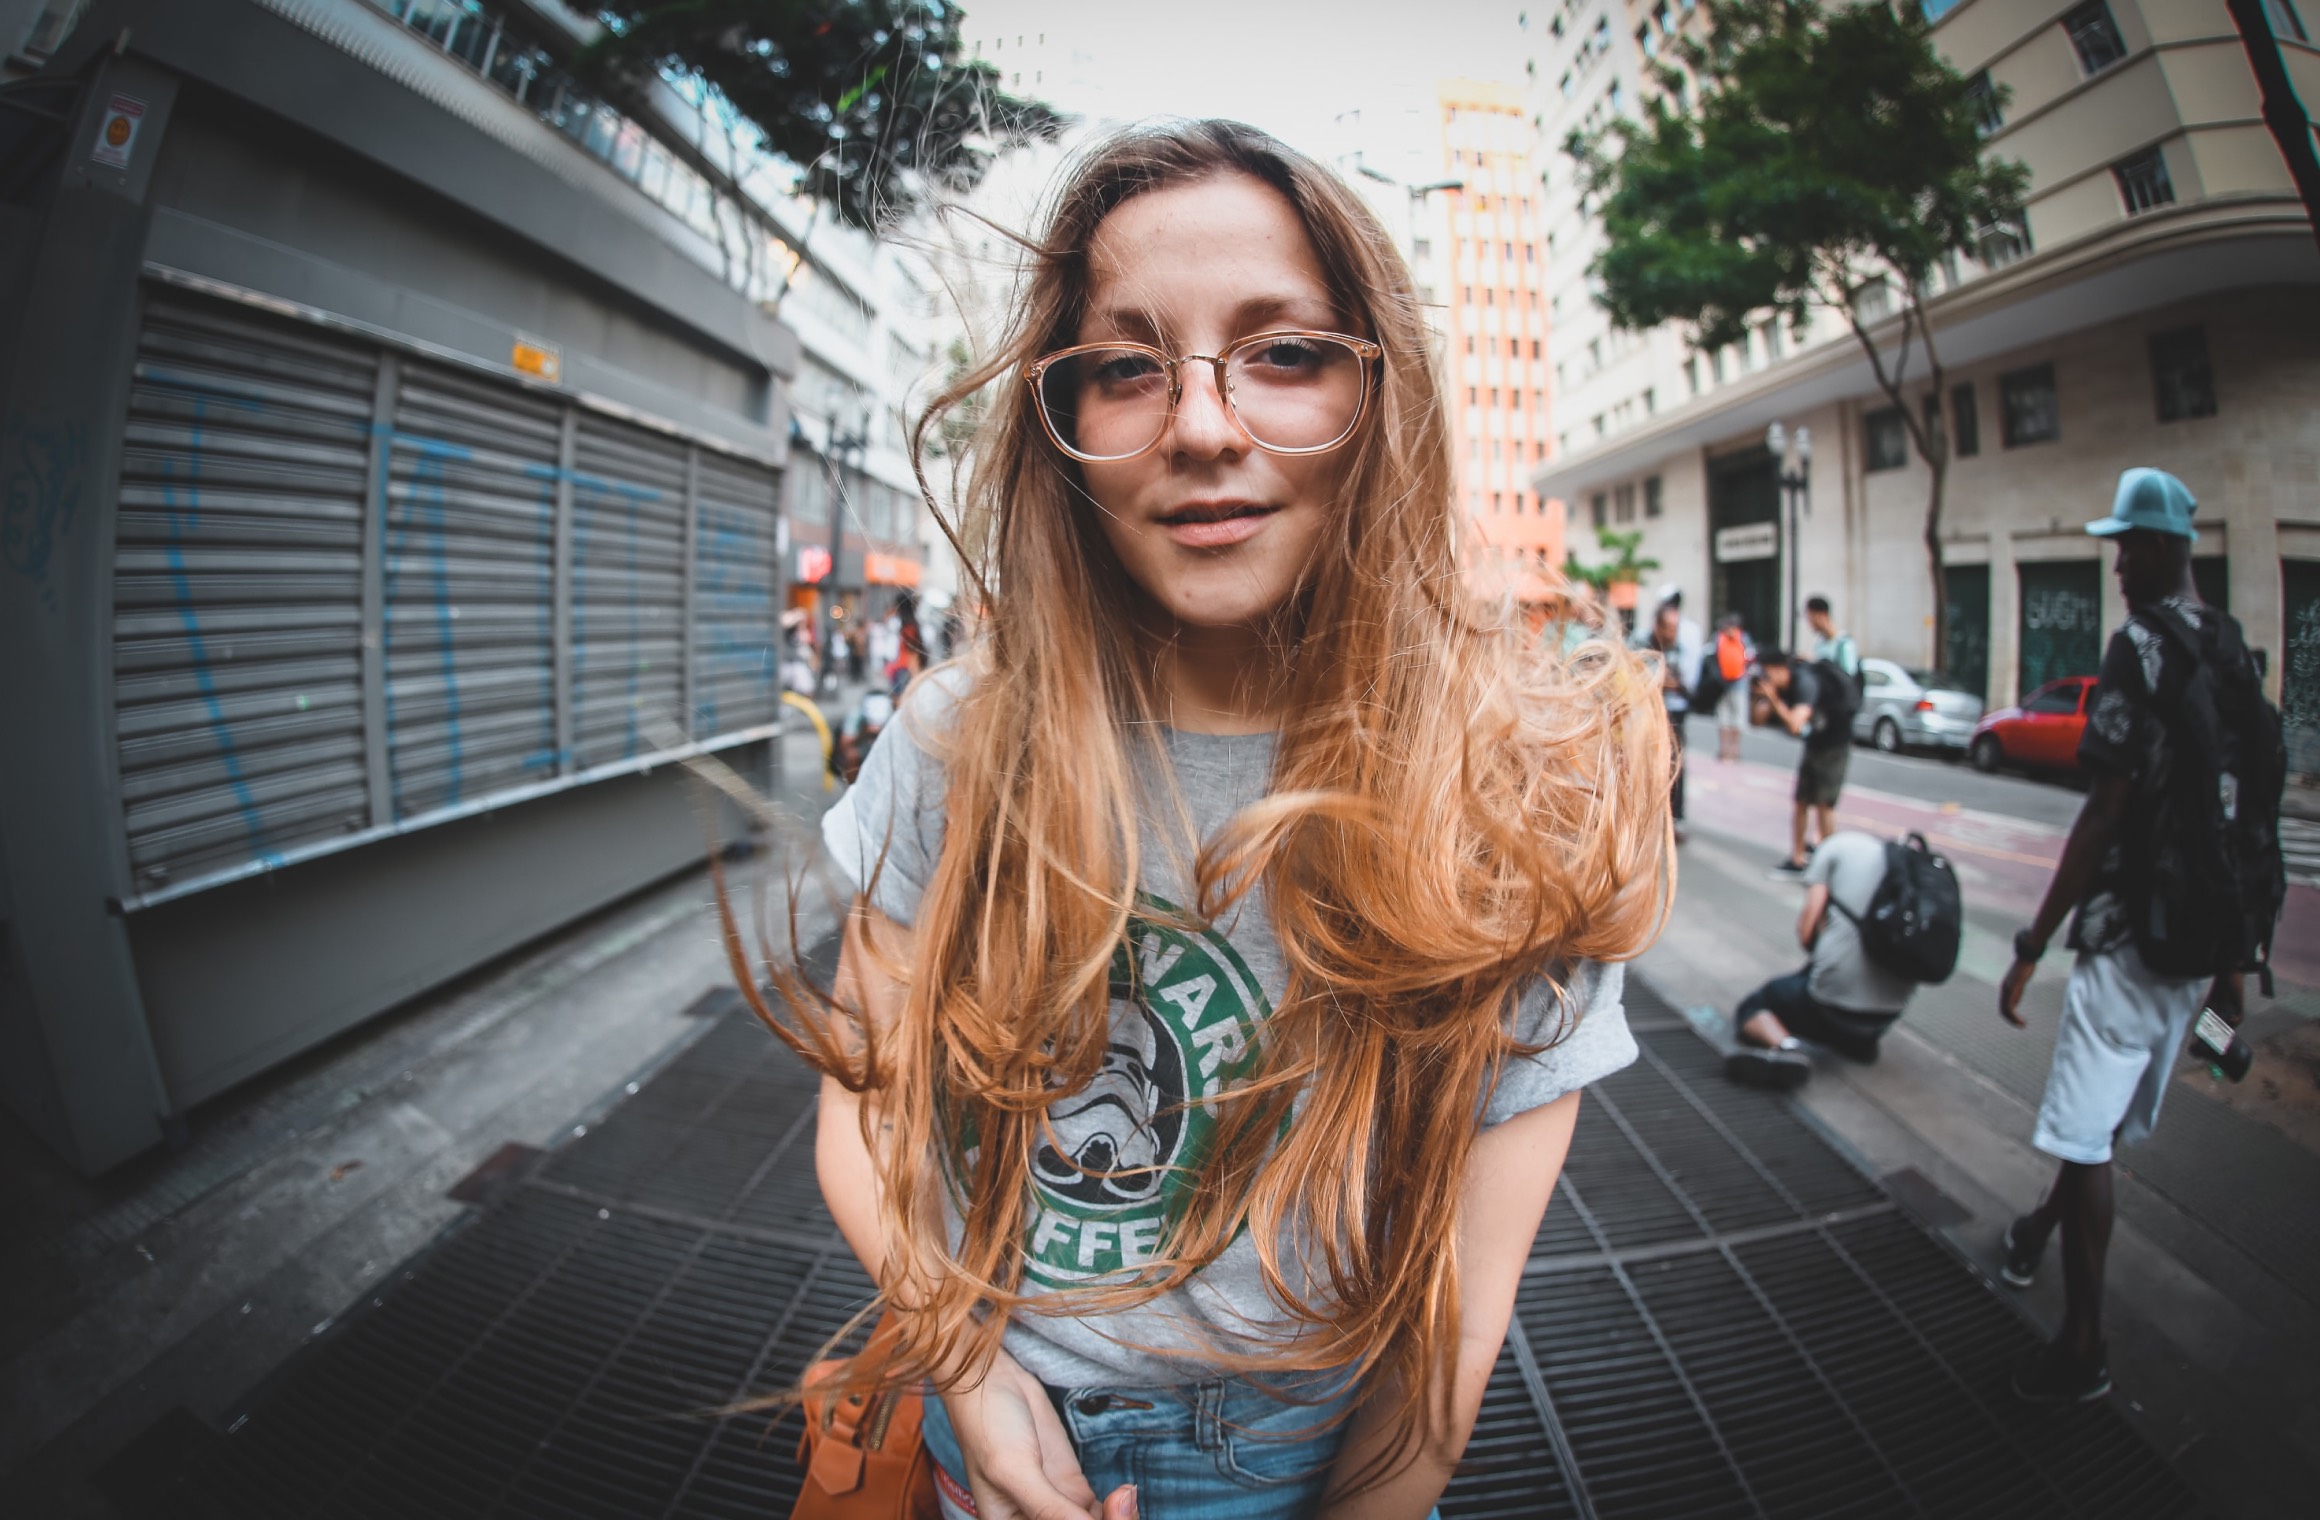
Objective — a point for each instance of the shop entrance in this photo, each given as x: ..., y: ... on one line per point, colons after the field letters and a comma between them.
x: 1745, y: 555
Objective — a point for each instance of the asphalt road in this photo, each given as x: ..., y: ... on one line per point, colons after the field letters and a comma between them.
x: 1927, y: 777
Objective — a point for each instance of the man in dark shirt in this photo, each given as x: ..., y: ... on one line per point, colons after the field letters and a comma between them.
x: 2122, y: 1023
x: 1793, y: 690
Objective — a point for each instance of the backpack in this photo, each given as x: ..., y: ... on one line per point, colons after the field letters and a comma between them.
x: 2204, y: 882
x: 1839, y: 700
x: 1916, y: 916
x: 1731, y: 655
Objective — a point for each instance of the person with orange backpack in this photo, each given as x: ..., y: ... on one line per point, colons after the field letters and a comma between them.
x: 1734, y: 655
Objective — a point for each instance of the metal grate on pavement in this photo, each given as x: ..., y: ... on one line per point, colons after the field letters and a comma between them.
x: 1721, y: 1316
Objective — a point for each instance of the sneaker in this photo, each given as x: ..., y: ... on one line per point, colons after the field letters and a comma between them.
x: 2055, y: 1377
x: 1791, y: 867
x: 2019, y: 1264
x: 1777, y: 1070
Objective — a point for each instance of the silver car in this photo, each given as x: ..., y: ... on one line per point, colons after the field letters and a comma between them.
x: 1905, y: 708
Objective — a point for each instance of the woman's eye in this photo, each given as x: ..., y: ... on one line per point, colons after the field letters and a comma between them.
x: 1125, y: 369
x: 1287, y: 354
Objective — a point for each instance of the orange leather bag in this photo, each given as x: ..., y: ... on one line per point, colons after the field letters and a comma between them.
x: 864, y: 1453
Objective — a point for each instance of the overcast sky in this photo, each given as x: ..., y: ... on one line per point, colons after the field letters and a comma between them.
x: 1294, y: 67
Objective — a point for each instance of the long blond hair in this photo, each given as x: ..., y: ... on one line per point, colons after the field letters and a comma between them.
x: 1453, y: 812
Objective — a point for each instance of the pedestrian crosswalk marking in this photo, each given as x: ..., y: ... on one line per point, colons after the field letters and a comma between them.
x: 2300, y: 848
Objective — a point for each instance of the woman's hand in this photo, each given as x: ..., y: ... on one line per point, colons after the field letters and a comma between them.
x: 1019, y: 1458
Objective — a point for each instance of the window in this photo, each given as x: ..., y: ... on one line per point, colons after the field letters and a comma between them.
x: 2095, y: 35
x: 1599, y: 509
x: 1934, y: 10
x: 2143, y: 181
x: 1885, y: 439
x: 1875, y: 301
x: 1934, y: 431
x: 2181, y: 374
x: 1654, y: 501
x: 1421, y: 248
x: 1969, y: 422
x: 1988, y: 116
x: 1623, y: 503
x: 2001, y: 243
x: 1534, y: 348
x: 2029, y: 409
x: 2055, y: 699
x: 2285, y: 22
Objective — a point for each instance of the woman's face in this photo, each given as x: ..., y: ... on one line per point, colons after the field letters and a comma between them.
x: 1214, y: 529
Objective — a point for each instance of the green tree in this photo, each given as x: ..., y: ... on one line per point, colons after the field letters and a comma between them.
x: 1833, y: 162
x: 870, y: 99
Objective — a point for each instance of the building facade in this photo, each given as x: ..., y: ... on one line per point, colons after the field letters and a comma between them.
x: 2158, y: 305
x: 1492, y: 292
x: 392, y: 456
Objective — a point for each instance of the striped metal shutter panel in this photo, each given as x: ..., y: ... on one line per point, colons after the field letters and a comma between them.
x: 628, y: 588
x: 736, y: 652
x: 237, y: 590
x: 469, y: 580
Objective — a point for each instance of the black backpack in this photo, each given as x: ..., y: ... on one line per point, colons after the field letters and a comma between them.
x: 1839, y: 701
x: 2204, y: 882
x: 1915, y: 916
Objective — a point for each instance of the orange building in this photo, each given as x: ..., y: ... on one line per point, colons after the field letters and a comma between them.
x: 1492, y: 290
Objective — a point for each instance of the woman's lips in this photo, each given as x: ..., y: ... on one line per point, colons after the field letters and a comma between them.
x: 1216, y: 527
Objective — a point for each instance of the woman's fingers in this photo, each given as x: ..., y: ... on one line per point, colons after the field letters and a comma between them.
x: 1121, y: 1503
x: 1056, y: 1458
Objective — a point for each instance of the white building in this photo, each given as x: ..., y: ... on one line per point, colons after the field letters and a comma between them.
x: 2161, y: 306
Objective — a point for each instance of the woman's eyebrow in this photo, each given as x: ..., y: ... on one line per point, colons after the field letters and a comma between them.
x: 1253, y: 314
x: 1256, y: 310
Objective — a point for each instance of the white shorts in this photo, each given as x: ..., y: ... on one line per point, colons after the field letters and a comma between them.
x: 1732, y: 705
x: 2122, y: 1026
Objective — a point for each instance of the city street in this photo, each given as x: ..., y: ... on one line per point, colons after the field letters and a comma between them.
x: 2215, y: 1311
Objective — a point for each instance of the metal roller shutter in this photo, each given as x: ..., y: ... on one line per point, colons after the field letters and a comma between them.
x: 236, y: 592
x: 628, y: 588
x: 469, y: 580
x: 736, y: 649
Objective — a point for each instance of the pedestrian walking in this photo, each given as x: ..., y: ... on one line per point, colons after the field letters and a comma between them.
x: 1815, y: 702
x: 1239, y: 922
x: 1857, y: 980
x: 1735, y: 666
x: 1831, y: 643
x: 2173, y: 868
x: 1678, y: 655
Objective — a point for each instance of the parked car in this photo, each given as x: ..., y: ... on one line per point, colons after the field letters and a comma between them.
x: 1903, y: 707
x: 2042, y: 733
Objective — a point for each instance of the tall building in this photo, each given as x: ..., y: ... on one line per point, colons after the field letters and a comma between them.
x: 2159, y: 304
x: 1491, y: 286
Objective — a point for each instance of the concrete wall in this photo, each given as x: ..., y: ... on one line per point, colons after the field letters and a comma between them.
x: 307, y: 179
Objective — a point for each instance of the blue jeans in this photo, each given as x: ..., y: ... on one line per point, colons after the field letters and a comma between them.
x: 1221, y: 1450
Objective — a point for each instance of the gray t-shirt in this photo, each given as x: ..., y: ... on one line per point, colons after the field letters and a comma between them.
x: 1183, y: 1028
x: 1852, y: 866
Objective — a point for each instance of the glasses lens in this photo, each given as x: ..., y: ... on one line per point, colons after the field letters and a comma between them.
x: 1106, y: 403
x: 1297, y: 391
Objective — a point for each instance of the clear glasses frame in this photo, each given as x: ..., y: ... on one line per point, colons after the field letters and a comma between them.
x: 1367, y: 352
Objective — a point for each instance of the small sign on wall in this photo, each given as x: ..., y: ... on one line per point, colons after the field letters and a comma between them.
x: 537, y: 357
x: 1746, y: 541
x: 117, y: 131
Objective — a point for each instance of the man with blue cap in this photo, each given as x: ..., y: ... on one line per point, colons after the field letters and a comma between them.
x: 2137, y: 984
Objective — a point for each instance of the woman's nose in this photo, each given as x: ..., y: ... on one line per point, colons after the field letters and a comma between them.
x: 1204, y: 425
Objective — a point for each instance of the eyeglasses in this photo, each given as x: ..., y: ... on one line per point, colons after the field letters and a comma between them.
x: 1292, y: 392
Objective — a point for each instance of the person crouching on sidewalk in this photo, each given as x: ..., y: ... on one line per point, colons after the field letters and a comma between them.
x: 1841, y: 999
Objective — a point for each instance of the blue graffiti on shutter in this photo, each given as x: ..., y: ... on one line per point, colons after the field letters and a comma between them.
x: 184, y: 518
x: 549, y: 757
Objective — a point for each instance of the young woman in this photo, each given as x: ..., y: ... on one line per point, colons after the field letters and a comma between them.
x: 1238, y: 919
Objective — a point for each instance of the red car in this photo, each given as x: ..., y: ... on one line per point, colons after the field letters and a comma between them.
x: 2043, y: 732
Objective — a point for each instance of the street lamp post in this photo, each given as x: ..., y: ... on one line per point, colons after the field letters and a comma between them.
x: 1417, y: 194
x: 842, y: 444
x: 1794, y: 453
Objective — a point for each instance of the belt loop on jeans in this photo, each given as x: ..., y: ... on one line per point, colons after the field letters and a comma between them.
x: 1208, y: 1415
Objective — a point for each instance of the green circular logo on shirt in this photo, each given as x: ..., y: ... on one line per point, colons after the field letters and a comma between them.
x: 1111, y: 1179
